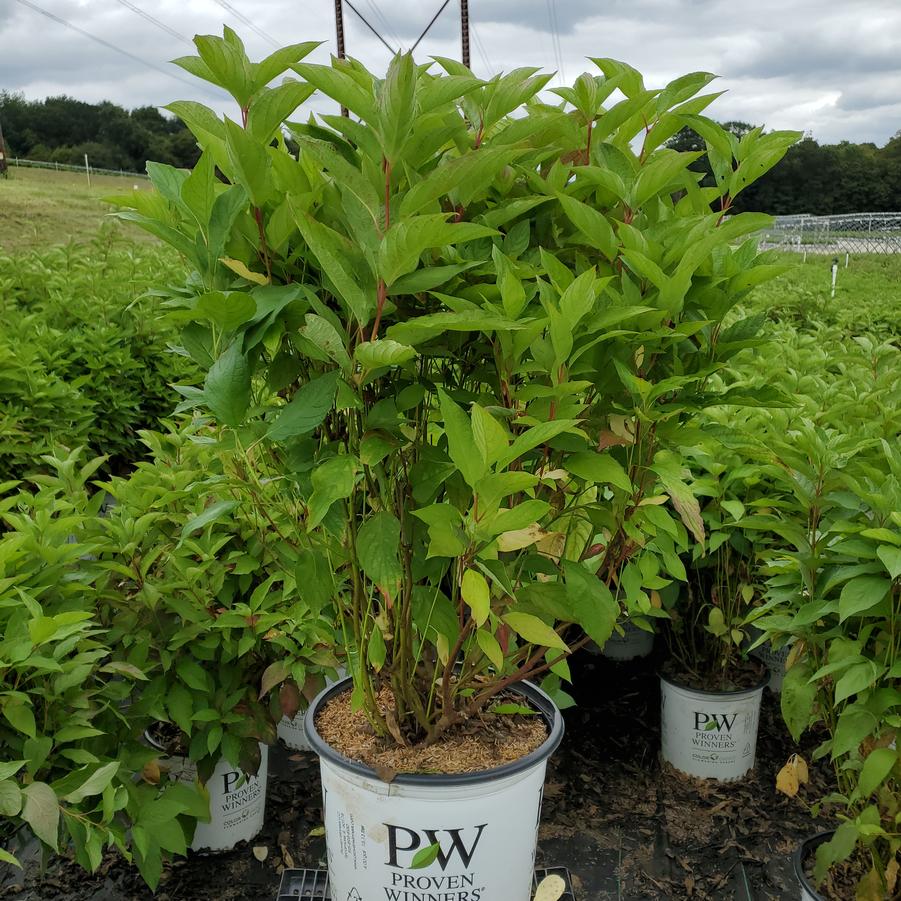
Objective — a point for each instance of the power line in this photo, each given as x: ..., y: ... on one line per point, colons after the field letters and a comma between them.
x: 555, y: 34
x: 480, y: 47
x: 104, y: 43
x: 429, y: 26
x: 386, y: 25
x: 245, y: 21
x: 365, y: 21
x: 154, y: 21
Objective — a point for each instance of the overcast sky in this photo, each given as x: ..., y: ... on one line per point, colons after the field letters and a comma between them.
x: 822, y: 66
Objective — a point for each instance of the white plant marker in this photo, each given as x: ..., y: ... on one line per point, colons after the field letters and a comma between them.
x: 834, y: 274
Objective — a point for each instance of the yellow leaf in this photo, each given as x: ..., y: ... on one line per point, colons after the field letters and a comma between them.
x: 239, y: 268
x: 792, y: 776
x: 656, y: 601
x: 891, y: 875
x: 794, y: 654
x: 260, y: 852
x: 517, y: 539
x: 151, y: 772
x: 870, y: 888
x: 551, y: 888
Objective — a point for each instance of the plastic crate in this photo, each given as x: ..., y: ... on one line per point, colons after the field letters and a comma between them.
x: 312, y: 885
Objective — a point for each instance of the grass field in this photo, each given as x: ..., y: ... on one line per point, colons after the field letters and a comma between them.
x: 41, y: 207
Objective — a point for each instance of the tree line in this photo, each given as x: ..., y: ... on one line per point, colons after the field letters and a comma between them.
x: 63, y: 129
x: 812, y: 178
x: 822, y: 179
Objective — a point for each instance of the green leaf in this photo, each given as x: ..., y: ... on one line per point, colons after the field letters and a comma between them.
x: 227, y: 386
x: 94, y: 784
x: 6, y: 857
x: 862, y: 594
x: 335, y: 256
x: 425, y: 857
x: 41, y: 812
x: 378, y: 543
x: 397, y: 97
x: 593, y: 606
x: 491, y: 648
x: 595, y: 230
x: 490, y: 436
x: 307, y: 409
x: 383, y: 352
x: 340, y: 87
x: 323, y: 334
x: 876, y: 767
x: 281, y: 60
x: 857, y: 678
x: 333, y: 480
x: 227, y: 309
x: 461, y: 443
x: 20, y: 717
x: 211, y: 514
x: 535, y: 436
x: 600, y: 468
x: 406, y: 241
x: 476, y: 593
x: 376, y: 651
x: 249, y: 162
x: 798, y: 697
x: 891, y: 557
x: 534, y: 630
x: 270, y: 108
x: 10, y: 798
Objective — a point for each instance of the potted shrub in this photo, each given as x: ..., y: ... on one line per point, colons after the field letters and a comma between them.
x: 834, y: 589
x: 436, y: 310
x: 64, y: 778
x: 209, y: 607
x: 711, y: 688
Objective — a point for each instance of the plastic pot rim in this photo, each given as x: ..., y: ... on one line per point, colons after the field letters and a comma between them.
x: 734, y: 693
x: 546, y: 708
x: 804, y: 848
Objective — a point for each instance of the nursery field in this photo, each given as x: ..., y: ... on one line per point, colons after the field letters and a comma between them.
x: 42, y: 207
x: 455, y: 489
x: 626, y: 825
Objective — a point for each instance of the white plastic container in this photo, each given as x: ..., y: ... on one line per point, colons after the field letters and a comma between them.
x: 774, y: 660
x: 291, y: 731
x: 631, y: 645
x: 237, y: 802
x: 804, y: 850
x: 711, y: 735
x: 485, y: 824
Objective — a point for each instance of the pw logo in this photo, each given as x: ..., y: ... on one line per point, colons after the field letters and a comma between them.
x: 405, y: 841
x: 710, y: 722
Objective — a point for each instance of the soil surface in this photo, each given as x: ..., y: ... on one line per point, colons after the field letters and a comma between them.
x: 627, y: 827
x: 482, y: 743
x: 842, y: 880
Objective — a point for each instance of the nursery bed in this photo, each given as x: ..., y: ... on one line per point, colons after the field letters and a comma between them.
x: 624, y: 826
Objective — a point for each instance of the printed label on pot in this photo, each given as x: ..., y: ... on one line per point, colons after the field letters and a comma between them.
x: 237, y: 803
x: 290, y: 731
x: 710, y: 736
x: 480, y: 839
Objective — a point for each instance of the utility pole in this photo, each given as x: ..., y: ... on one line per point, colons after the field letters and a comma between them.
x: 464, y: 25
x: 339, y: 28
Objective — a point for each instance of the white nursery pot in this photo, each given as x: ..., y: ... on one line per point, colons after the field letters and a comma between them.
x: 291, y: 731
x: 237, y: 803
x: 486, y: 824
x: 632, y: 644
x: 774, y: 660
x: 711, y: 735
x: 803, y: 851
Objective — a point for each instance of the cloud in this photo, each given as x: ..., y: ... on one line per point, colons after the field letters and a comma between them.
x: 830, y: 69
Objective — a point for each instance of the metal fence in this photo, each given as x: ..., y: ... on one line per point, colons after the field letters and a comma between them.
x: 66, y: 167
x: 844, y: 233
